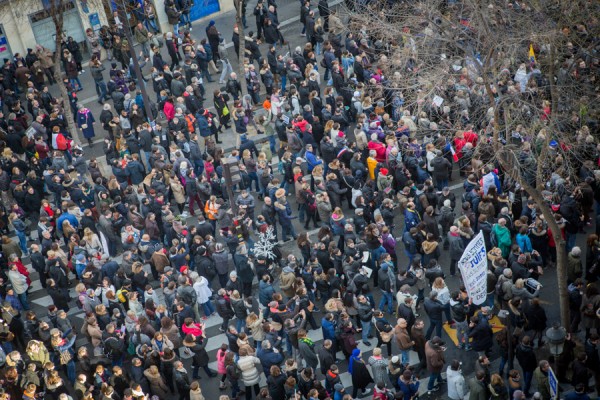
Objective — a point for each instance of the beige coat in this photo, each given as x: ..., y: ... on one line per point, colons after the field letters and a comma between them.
x: 178, y: 191
x: 336, y: 26
x: 257, y: 329
x: 45, y: 57
x: 95, y: 334
x: 288, y: 280
x: 196, y: 394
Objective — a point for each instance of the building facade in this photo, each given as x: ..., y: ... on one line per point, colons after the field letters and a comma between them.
x: 25, y: 23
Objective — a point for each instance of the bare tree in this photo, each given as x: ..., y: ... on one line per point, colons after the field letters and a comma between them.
x: 464, y: 55
x: 57, y: 9
x: 239, y: 9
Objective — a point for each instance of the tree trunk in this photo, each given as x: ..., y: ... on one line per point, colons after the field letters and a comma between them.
x: 242, y: 49
x: 561, y: 253
x: 58, y: 24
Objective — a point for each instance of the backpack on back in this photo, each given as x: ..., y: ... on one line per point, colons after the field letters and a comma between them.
x: 499, y: 289
x: 493, y: 237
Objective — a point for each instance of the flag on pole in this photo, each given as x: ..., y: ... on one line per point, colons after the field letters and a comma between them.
x: 531, y: 54
x: 454, y: 155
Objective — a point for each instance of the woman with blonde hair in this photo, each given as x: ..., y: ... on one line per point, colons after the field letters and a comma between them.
x: 64, y: 348
x: 60, y: 253
x: 67, y: 230
x: 316, y: 175
x: 443, y: 296
x: 54, y: 385
x: 379, y: 368
x: 196, y: 392
x: 254, y: 323
x: 102, y: 316
x: 497, y: 388
x: 92, y: 242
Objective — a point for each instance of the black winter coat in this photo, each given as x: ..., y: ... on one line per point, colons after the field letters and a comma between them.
x: 361, y: 378
x: 200, y: 358
x: 526, y: 357
x: 482, y: 335
x: 224, y: 308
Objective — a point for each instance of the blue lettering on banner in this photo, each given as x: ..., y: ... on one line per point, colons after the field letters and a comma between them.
x: 473, y: 268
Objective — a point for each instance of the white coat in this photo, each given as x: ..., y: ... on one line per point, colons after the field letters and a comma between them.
x: 203, y: 292
x: 456, y: 384
x: 18, y: 281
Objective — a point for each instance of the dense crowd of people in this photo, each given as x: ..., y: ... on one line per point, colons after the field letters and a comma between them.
x: 371, y: 173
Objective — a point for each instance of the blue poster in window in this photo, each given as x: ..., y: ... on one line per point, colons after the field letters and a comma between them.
x: 202, y: 8
x: 95, y: 21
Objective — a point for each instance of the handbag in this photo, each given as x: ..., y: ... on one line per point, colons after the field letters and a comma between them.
x: 65, y: 357
x: 518, y: 331
x: 186, y: 353
x: 386, y: 337
x: 85, y: 126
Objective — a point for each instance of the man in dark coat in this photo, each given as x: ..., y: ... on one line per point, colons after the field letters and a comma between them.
x: 224, y: 308
x: 200, y: 358
x: 245, y: 273
x: 326, y: 356
x: 268, y: 357
x: 481, y: 333
x: 434, y: 310
x: 528, y: 362
x: 182, y: 380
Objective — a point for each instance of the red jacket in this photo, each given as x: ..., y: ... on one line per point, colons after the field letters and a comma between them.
x: 169, y: 110
x: 379, y: 148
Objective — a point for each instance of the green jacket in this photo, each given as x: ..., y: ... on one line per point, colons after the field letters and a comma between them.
x: 503, y: 238
x: 141, y: 35
x: 543, y: 384
x: 478, y: 390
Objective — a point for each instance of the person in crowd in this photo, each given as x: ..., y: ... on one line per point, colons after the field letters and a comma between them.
x: 368, y: 158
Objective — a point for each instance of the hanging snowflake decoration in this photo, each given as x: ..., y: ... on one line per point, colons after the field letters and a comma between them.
x: 265, y: 244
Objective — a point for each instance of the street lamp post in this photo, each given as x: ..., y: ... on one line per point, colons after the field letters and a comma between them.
x: 556, y: 336
x: 556, y: 339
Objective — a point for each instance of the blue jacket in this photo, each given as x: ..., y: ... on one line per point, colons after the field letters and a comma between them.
x: 285, y: 213
x: 69, y: 217
x: 328, y: 328
x: 268, y: 358
x: 409, y: 389
x: 203, y: 125
x: 338, y: 395
x: 524, y: 243
x: 411, y: 219
x: 577, y: 396
x: 265, y: 292
x: 311, y: 160
x: 337, y: 227
x: 109, y: 269
x: 136, y: 171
